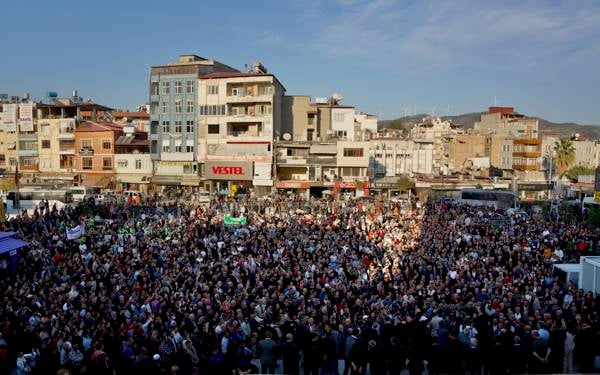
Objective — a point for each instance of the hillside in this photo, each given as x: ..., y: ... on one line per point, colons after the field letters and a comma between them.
x: 547, y: 128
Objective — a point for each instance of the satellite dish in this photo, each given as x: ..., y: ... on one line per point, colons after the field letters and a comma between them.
x: 287, y: 136
x: 337, y: 96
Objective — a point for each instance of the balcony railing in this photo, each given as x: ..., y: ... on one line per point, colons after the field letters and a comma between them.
x: 232, y: 133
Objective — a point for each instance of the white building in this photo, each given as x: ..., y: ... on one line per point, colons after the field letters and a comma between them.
x: 367, y: 125
x: 392, y: 157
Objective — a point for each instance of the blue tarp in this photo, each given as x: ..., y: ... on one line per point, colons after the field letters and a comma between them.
x: 8, y: 244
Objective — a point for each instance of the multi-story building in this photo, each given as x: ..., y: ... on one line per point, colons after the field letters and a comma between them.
x: 174, y: 116
x: 367, y: 125
x: 514, y: 133
x: 299, y: 119
x: 240, y: 114
x: 95, y: 153
x: 55, y: 125
x: 133, y: 165
x: 440, y: 133
x: 395, y: 157
x: 463, y: 147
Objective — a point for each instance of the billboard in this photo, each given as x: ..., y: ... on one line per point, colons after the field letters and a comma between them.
x: 9, y: 117
x: 26, y: 117
x: 229, y: 170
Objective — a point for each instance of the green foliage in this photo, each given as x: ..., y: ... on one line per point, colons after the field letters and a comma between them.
x: 564, y: 155
x: 405, y: 183
x: 579, y: 170
x: 593, y: 218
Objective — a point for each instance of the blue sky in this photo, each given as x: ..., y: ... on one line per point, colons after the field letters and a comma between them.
x: 385, y: 57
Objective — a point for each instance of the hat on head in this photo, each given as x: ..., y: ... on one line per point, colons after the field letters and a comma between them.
x: 156, y: 357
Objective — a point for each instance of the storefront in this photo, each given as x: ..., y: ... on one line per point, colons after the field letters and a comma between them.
x: 133, y: 182
x: 357, y: 189
x: 297, y: 187
x: 230, y: 177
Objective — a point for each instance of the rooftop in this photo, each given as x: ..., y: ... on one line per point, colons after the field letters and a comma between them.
x: 98, y: 126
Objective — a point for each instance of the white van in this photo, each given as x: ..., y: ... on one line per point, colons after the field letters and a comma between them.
x: 80, y: 193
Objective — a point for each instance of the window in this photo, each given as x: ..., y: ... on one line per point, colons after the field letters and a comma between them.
x: 341, y: 134
x: 264, y: 109
x: 353, y: 152
x: 178, y: 87
x: 178, y: 147
x: 213, y: 129
x: 339, y: 117
x: 45, y: 143
x: 189, y: 127
x: 122, y: 163
x: 138, y: 162
x: 189, y: 148
x: 154, y: 88
x: 177, y: 126
x: 86, y: 163
x: 106, y: 144
x: 165, y: 107
x: 213, y: 110
x: 45, y: 129
x: 106, y: 163
x: 266, y: 90
x: 45, y: 163
x: 166, y: 148
x: 12, y: 162
x: 189, y: 108
x: 177, y: 106
x: 86, y: 143
x: 237, y: 91
x: 189, y: 87
x: 213, y: 89
x: 351, y: 172
x: 166, y: 127
x: 165, y: 88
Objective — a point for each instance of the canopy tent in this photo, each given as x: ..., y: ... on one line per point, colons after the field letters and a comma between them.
x: 9, y: 245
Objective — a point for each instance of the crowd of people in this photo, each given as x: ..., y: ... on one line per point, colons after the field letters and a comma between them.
x: 309, y: 287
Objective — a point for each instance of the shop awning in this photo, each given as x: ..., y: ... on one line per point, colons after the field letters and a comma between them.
x: 166, y: 180
x: 133, y: 179
x: 8, y: 242
x: 100, y: 181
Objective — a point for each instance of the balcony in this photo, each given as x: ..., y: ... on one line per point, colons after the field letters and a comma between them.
x: 292, y: 160
x: 323, y: 160
x: 28, y: 152
x: 526, y: 167
x: 31, y: 167
x: 527, y: 154
x: 86, y: 152
x: 66, y: 136
x: 249, y: 99
x: 28, y: 136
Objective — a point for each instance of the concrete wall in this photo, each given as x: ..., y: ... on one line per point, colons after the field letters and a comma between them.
x: 295, y: 116
x: 463, y: 147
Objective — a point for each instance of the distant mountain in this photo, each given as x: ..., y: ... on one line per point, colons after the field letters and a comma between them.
x: 467, y: 120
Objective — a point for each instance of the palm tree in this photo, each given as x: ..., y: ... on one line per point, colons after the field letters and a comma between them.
x: 564, y: 155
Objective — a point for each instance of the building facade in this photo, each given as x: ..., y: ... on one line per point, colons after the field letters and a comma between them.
x: 133, y: 165
x: 95, y: 158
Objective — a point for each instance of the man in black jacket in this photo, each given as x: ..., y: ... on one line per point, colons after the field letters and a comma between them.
x: 291, y: 357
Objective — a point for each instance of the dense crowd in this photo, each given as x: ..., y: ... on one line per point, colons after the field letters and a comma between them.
x: 307, y: 287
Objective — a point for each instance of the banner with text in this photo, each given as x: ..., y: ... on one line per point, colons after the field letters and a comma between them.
x: 26, y: 117
x: 229, y: 220
x: 9, y: 117
x: 75, y: 233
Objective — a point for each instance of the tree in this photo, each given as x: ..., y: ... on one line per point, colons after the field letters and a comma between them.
x: 593, y: 218
x: 564, y: 155
x: 405, y: 183
x: 579, y: 170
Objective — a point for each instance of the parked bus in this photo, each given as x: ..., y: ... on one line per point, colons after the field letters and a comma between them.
x: 29, y: 199
x: 496, y: 198
x: 82, y: 192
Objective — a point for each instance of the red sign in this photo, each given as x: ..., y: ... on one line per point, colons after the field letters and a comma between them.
x: 345, y: 185
x: 366, y: 187
x: 228, y: 170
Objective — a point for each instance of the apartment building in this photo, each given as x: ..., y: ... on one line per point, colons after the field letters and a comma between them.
x: 513, y: 142
x: 240, y: 115
x: 299, y: 118
x: 138, y: 119
x: 95, y: 143
x: 174, y: 116
x: 395, y: 157
x: 464, y: 147
x: 440, y: 133
x: 133, y: 164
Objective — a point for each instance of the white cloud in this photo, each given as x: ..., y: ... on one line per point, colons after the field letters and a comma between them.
x: 459, y: 32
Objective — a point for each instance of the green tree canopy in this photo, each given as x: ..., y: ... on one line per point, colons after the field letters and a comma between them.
x: 579, y: 170
x: 564, y: 155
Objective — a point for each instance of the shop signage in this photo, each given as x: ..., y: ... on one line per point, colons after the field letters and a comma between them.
x: 345, y: 185
x: 229, y: 170
x: 292, y: 185
x: 175, y: 163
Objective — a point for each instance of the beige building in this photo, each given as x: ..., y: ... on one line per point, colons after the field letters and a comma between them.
x: 240, y: 114
x: 299, y: 118
x: 463, y: 147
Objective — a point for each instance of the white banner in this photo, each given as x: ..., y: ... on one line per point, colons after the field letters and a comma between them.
x: 75, y: 233
x: 9, y: 117
x: 26, y: 117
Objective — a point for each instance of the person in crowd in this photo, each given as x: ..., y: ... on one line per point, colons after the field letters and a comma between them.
x: 164, y: 286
